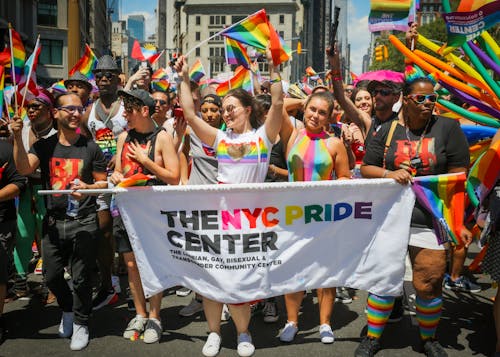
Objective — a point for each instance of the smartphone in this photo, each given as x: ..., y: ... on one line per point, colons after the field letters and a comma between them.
x: 178, y: 112
x: 144, y: 64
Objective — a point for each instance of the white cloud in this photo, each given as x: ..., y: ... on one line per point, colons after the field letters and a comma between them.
x: 359, y: 38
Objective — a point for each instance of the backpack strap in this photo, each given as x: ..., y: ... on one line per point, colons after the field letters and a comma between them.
x: 389, y: 139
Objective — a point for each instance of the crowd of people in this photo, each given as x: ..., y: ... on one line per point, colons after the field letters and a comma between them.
x: 77, y: 140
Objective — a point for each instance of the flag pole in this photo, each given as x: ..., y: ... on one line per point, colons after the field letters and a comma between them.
x: 218, y: 33
x: 12, y: 67
x: 31, y: 70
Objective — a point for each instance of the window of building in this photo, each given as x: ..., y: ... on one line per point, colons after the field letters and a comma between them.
x: 282, y: 19
x: 197, y: 52
x: 198, y: 20
x: 217, y: 20
x: 52, y: 52
x: 282, y: 34
x: 217, y: 52
x: 236, y: 18
x: 47, y: 13
x: 216, y: 67
x: 216, y: 38
x: 198, y: 36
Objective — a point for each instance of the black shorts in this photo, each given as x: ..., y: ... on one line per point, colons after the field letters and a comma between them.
x: 7, y: 241
x: 120, y: 233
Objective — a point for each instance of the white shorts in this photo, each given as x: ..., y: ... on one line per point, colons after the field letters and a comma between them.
x: 425, y: 238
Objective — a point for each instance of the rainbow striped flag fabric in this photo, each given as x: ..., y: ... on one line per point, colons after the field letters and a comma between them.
x: 310, y: 71
x: 242, y: 79
x: 86, y: 63
x: 236, y: 53
x: 391, y: 14
x: 256, y: 31
x: 160, y: 85
x: 444, y: 197
x: 197, y: 72
x: 19, y: 53
x: 484, y: 174
x: 138, y: 179
x: 159, y: 74
x: 2, y: 85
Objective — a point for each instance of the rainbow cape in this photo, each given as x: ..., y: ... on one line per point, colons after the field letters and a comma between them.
x: 138, y: 179
x: 197, y: 71
x: 484, y: 174
x: 242, y: 79
x: 236, y: 53
x: 444, y: 197
x: 18, y: 51
x: 85, y: 64
x: 147, y: 53
x: 257, y: 31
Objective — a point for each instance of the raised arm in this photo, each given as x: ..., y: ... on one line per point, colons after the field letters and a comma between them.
x: 275, y: 114
x: 360, y: 118
x: 204, y: 131
x: 26, y: 163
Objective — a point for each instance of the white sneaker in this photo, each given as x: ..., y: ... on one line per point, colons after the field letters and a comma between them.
x: 80, y: 338
x: 66, y: 325
x: 226, y: 315
x: 326, y: 333
x: 193, y: 308
x: 288, y: 333
x: 212, y: 346
x: 135, y: 327
x: 115, y: 282
x: 152, y: 331
x: 245, y: 345
x: 182, y: 292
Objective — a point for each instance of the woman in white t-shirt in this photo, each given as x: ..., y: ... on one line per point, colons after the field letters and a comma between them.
x: 243, y: 153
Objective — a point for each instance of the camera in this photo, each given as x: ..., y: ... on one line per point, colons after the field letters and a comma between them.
x: 416, y: 162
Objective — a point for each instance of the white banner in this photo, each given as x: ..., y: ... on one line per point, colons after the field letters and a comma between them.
x: 236, y: 243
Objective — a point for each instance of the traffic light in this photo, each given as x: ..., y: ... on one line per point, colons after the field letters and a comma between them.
x: 385, y: 51
x: 379, y: 53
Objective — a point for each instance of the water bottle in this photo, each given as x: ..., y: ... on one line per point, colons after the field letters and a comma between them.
x: 73, y: 204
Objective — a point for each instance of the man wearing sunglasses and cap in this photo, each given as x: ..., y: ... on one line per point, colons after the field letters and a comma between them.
x: 67, y: 160
x: 105, y: 122
x: 149, y: 150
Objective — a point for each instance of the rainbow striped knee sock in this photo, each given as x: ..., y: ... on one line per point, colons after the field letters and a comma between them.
x: 378, y: 311
x: 428, y: 316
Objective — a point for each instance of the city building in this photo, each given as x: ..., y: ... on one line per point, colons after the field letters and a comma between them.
x: 136, y: 27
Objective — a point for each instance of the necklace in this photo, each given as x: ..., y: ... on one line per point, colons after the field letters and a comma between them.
x: 416, y: 161
x: 43, y: 132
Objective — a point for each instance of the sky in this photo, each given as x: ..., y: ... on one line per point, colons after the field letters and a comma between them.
x: 358, y: 34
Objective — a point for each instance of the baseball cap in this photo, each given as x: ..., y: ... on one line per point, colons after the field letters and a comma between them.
x: 140, y: 95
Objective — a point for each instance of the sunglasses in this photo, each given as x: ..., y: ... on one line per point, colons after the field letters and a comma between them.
x: 34, y: 106
x: 71, y: 109
x: 108, y: 75
x: 421, y: 98
x: 382, y: 92
x: 160, y: 101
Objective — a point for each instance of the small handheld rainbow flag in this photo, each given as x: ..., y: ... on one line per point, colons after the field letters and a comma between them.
x: 86, y: 63
x: 138, y: 179
x: 160, y: 73
x: 197, y: 71
x: 242, y: 79
x: 484, y: 174
x: 310, y: 71
x: 59, y: 86
x: 444, y: 197
x: 2, y: 83
x: 160, y: 85
x: 18, y: 53
x: 236, y: 53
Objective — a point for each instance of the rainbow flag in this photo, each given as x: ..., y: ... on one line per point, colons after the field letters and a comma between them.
x: 444, y: 197
x: 354, y: 77
x: 310, y: 71
x: 197, y: 71
x: 484, y: 174
x: 256, y: 31
x: 146, y: 53
x: 138, y: 179
x: 391, y: 14
x: 2, y: 84
x: 242, y: 79
x: 59, y: 86
x: 5, y: 57
x: 85, y: 64
x: 236, y: 53
x: 18, y: 52
x: 160, y: 85
x: 160, y: 73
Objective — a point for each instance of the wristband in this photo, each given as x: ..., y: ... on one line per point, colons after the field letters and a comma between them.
x: 386, y: 172
x: 275, y: 80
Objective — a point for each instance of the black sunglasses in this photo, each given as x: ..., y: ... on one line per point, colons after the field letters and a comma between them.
x: 383, y: 92
x: 160, y: 101
x: 107, y: 74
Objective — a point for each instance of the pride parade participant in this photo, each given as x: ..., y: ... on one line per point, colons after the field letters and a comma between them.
x: 242, y: 117
x: 313, y: 155
x: 148, y: 150
x: 421, y: 144
x: 67, y: 160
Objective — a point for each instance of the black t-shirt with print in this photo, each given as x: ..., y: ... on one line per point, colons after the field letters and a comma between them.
x: 9, y: 175
x: 60, y: 165
x: 443, y: 146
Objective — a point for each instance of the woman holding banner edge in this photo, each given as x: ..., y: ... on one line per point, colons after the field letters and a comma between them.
x: 419, y: 145
x: 242, y: 117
